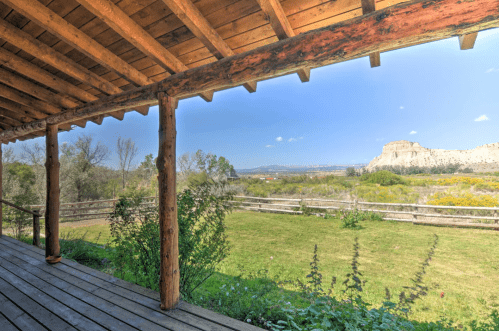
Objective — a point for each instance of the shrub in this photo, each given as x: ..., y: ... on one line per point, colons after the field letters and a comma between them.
x: 202, y: 239
x: 465, y: 200
x: 383, y: 178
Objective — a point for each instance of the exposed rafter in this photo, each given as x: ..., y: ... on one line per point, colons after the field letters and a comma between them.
x: 404, y: 24
x: 467, y: 41
x: 36, y: 48
x: 46, y: 18
x: 13, y: 62
x: 190, y: 15
x: 368, y: 6
x: 120, y: 22
x: 282, y: 28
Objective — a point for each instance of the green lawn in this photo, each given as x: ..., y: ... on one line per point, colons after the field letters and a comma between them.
x: 465, y: 265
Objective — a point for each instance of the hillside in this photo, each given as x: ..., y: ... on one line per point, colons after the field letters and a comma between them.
x: 405, y: 153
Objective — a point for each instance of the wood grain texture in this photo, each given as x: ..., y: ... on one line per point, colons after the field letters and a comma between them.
x: 52, y: 166
x: 375, y: 59
x: 407, y: 23
x: 190, y: 15
x: 169, y: 284
x: 1, y: 189
x: 49, y: 20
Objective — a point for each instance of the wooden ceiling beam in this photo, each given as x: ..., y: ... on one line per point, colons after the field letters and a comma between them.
x: 21, y: 109
x: 467, y: 41
x: 282, y: 28
x: 27, y: 100
x: 120, y: 22
x: 385, y: 29
x: 119, y: 115
x: 34, y: 90
x: 190, y: 15
x: 369, y: 6
x: 9, y: 121
x: 28, y: 69
x: 49, y: 20
x: 143, y: 110
x: 15, y: 116
x: 36, y: 48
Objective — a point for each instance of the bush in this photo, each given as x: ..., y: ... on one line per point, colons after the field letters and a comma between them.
x: 383, y: 178
x: 203, y: 243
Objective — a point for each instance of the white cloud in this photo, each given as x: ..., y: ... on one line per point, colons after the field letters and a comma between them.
x: 291, y: 140
x: 413, y: 132
x: 482, y: 118
x: 278, y: 139
x: 300, y: 138
x: 491, y: 70
x: 401, y: 107
x: 269, y: 146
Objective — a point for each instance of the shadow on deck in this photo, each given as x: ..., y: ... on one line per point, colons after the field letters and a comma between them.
x: 68, y: 296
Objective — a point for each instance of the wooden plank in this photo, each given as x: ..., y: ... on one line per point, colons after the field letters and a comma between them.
x: 120, y: 22
x: 48, y: 55
x: 1, y: 189
x: 5, y: 325
x: 368, y: 6
x: 20, y: 109
x: 134, y: 303
x: 467, y: 41
x: 311, y: 49
x: 169, y: 284
x: 17, y: 316
x: 10, y: 274
x: 280, y: 24
x: 13, y: 62
x: 52, y: 248
x: 37, y: 311
x: 190, y: 15
x: 68, y: 295
x: 49, y: 20
x: 27, y: 100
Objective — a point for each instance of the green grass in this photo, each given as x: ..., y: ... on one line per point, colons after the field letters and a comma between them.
x: 98, y: 234
x: 465, y: 266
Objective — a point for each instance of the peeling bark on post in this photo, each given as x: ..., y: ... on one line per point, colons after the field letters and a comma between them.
x: 52, y: 201
x: 169, y: 283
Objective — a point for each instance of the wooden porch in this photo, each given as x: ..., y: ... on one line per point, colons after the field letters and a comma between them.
x: 68, y: 296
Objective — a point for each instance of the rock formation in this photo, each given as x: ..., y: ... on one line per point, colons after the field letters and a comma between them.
x: 405, y: 153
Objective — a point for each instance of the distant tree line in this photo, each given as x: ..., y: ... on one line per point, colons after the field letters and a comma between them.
x: 415, y: 170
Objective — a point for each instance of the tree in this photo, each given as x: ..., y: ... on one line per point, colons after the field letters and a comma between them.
x: 351, y: 172
x: 78, y: 162
x: 147, y: 168
x: 34, y: 155
x: 126, y: 152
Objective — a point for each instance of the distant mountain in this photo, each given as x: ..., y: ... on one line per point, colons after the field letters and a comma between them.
x: 297, y: 169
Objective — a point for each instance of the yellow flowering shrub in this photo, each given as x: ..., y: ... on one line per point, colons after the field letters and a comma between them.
x: 488, y: 186
x: 388, y: 194
x: 465, y: 200
x: 457, y: 180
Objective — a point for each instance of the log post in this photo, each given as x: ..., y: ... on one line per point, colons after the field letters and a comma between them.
x: 36, y: 228
x: 414, y: 216
x: 1, y: 193
x: 52, y: 249
x: 169, y: 283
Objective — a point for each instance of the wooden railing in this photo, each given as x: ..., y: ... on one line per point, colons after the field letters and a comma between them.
x: 36, y: 220
x: 401, y: 212
x: 80, y: 211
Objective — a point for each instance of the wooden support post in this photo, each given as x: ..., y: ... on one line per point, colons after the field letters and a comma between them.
x: 414, y: 216
x: 1, y: 193
x: 169, y: 283
x: 52, y: 249
x: 36, y: 228
x: 467, y: 41
x: 495, y: 215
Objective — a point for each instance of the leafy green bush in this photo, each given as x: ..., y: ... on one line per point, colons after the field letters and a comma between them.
x: 383, y: 178
x: 351, y: 219
x: 202, y: 239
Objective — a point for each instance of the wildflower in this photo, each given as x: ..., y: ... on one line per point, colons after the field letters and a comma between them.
x: 245, y: 288
x: 248, y: 320
x: 271, y: 257
x: 442, y: 294
x: 227, y: 293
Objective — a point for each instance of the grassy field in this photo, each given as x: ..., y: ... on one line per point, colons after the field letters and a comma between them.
x: 465, y: 265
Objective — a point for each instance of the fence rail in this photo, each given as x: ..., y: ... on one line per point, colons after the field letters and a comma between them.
x: 402, y: 212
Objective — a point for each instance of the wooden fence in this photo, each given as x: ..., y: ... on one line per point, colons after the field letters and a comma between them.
x: 79, y: 211
x: 479, y: 217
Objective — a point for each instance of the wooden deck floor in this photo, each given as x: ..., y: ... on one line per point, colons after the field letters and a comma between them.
x: 68, y: 296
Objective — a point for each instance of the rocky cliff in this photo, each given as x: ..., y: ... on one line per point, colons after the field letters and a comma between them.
x: 405, y: 153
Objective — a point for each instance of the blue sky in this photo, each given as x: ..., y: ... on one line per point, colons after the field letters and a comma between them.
x: 434, y: 94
